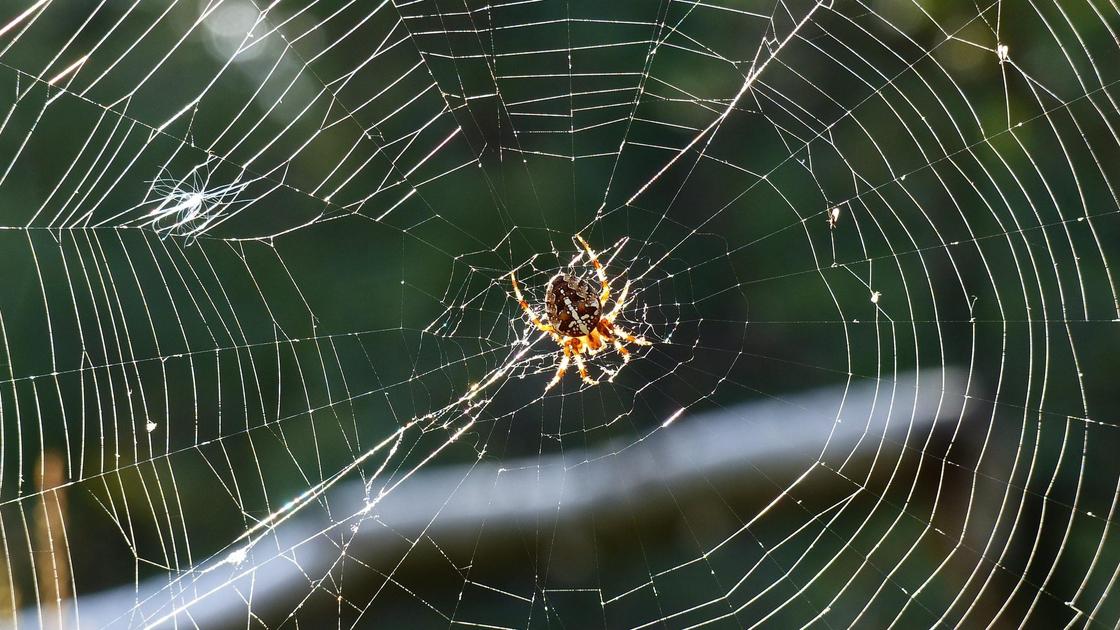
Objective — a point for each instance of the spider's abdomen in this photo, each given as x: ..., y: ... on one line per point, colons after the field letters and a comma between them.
x: 572, y: 305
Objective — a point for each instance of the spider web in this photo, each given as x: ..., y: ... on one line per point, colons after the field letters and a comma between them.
x: 262, y: 365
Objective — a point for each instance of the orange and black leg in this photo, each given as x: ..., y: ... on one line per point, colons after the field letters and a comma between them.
x: 599, y: 271
x: 561, y: 369
x: 641, y: 341
x: 577, y: 352
x: 529, y: 309
x: 622, y: 351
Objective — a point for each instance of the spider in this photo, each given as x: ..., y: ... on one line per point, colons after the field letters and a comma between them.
x: 576, y: 320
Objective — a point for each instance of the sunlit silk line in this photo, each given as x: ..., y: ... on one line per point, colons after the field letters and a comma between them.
x: 751, y: 78
x: 292, y: 507
x: 17, y: 20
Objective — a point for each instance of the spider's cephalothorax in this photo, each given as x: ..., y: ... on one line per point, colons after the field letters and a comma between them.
x: 572, y: 306
x: 575, y: 317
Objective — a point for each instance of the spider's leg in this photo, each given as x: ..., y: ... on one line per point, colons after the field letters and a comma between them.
x: 641, y: 341
x: 560, y: 369
x: 604, y: 331
x: 594, y: 344
x: 619, y: 303
x: 529, y: 309
x: 599, y: 271
x: 622, y: 351
x: 583, y: 370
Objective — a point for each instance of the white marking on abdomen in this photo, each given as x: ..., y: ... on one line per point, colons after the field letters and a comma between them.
x: 576, y: 316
